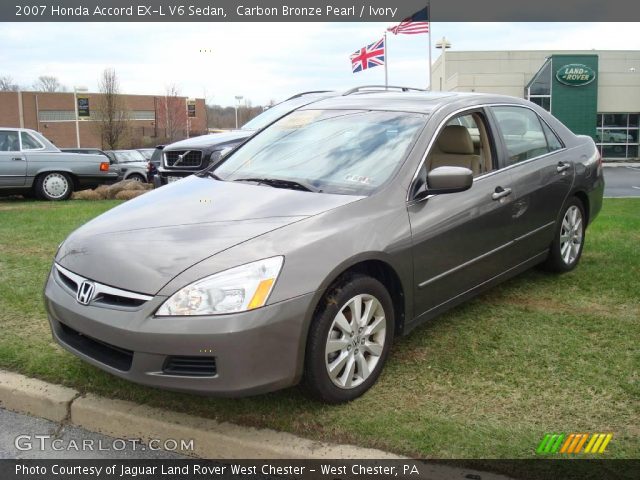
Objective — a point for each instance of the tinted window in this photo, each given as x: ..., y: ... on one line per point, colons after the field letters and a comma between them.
x: 336, y: 151
x: 129, y: 156
x: 522, y: 133
x: 28, y: 142
x: 9, y: 141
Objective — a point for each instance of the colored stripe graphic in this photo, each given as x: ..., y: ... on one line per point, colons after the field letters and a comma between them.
x: 572, y: 443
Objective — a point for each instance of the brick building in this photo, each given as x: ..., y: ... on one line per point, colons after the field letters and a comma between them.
x: 54, y: 115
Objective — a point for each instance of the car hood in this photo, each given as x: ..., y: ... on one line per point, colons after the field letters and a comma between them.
x: 209, y: 140
x: 142, y: 244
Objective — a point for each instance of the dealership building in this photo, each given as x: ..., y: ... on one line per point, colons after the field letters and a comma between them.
x: 593, y: 92
x: 69, y: 119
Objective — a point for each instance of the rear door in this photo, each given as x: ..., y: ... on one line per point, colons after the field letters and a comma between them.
x: 461, y: 240
x: 542, y: 176
x: 13, y: 164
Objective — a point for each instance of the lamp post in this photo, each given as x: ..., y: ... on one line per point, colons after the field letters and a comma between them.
x: 75, y: 105
x: 238, y: 98
x: 443, y: 44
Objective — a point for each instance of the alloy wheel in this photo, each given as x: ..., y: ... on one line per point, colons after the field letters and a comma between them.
x: 55, y: 185
x: 571, y: 235
x: 355, y: 341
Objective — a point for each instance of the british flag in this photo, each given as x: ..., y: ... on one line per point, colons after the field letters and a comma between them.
x: 368, y: 57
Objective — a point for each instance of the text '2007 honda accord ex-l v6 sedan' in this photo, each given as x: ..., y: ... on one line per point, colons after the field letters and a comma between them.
x: 303, y: 253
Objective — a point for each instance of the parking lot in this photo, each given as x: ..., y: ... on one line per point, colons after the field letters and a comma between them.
x: 622, y: 181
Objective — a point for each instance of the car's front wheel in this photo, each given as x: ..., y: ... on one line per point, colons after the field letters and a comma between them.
x: 54, y: 186
x: 349, y: 340
x: 566, y: 249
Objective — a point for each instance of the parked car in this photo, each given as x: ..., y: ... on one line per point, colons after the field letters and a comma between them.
x: 154, y: 157
x: 92, y: 151
x: 186, y: 157
x: 131, y: 165
x: 309, y: 248
x: 31, y: 165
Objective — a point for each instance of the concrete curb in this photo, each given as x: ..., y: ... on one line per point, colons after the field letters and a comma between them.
x: 118, y: 418
x: 35, y: 397
x: 621, y: 164
x: 211, y: 439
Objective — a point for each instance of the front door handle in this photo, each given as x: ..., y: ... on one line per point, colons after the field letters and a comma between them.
x: 562, y: 166
x: 500, y: 193
x: 17, y: 159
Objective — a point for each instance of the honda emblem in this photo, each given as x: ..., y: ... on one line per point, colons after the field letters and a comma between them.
x: 85, y: 292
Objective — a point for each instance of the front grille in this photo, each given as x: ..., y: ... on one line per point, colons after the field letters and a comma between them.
x: 190, y: 159
x: 116, y: 357
x: 190, y: 366
x: 104, y: 295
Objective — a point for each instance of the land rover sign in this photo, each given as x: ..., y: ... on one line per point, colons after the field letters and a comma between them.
x: 576, y: 75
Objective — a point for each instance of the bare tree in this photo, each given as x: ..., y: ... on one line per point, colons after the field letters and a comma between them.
x: 112, y: 115
x: 172, y: 113
x: 7, y: 85
x: 48, y: 83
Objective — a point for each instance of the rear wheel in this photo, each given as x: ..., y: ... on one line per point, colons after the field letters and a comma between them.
x: 349, y: 340
x: 566, y: 249
x: 54, y: 186
x: 136, y: 178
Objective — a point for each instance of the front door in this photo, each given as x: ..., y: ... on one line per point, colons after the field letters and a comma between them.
x: 13, y: 164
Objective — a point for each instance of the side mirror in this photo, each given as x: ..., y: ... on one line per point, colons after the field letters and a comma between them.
x: 446, y: 180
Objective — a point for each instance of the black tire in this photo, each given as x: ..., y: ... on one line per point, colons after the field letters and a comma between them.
x: 54, y: 186
x: 136, y: 177
x: 558, y: 260
x: 316, y: 380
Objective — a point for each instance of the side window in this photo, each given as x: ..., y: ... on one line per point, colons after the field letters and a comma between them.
x: 463, y: 142
x: 522, y: 132
x: 28, y: 142
x: 9, y: 141
x: 552, y: 139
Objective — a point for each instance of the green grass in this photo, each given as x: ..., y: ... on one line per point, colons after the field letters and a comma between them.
x: 541, y: 353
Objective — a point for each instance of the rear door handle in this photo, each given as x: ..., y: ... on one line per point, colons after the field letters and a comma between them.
x: 500, y: 193
x: 562, y: 166
x: 17, y: 159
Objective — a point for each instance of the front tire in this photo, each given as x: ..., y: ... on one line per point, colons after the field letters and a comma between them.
x: 349, y: 340
x: 54, y: 186
x: 566, y: 249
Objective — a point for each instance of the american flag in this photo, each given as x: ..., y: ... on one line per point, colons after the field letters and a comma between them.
x: 416, y: 23
x: 368, y: 57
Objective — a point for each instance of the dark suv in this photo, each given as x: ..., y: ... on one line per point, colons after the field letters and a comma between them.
x: 191, y: 155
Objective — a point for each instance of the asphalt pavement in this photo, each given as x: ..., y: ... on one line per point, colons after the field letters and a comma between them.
x: 26, y: 437
x: 622, y: 181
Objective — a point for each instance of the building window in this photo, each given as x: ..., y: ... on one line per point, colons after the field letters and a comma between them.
x: 57, y: 115
x: 538, y: 90
x: 143, y: 115
x: 617, y: 135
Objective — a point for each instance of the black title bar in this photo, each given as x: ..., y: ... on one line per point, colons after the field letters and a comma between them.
x: 316, y: 10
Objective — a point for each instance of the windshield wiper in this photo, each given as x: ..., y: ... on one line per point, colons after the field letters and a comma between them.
x: 212, y: 175
x: 280, y: 183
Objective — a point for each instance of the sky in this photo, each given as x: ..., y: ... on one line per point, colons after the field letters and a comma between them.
x: 264, y: 62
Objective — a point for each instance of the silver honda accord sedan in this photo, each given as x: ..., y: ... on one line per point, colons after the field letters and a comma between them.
x: 303, y: 253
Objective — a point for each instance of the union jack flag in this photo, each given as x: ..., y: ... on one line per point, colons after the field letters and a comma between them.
x: 368, y: 57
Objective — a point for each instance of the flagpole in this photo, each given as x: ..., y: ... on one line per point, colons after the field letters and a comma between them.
x: 386, y: 60
x: 429, y: 20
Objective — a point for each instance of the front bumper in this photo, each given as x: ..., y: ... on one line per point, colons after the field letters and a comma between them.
x: 253, y: 352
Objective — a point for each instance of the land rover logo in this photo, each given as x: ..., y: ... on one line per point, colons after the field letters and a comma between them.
x: 576, y: 75
x: 85, y: 292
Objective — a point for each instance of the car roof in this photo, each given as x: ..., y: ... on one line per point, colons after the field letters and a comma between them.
x: 410, y: 101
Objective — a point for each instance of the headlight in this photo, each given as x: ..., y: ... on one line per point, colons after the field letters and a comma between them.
x: 235, y: 290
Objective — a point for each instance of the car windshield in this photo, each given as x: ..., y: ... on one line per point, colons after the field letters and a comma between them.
x: 146, y: 153
x: 280, y: 110
x: 332, y: 151
x: 129, y: 156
